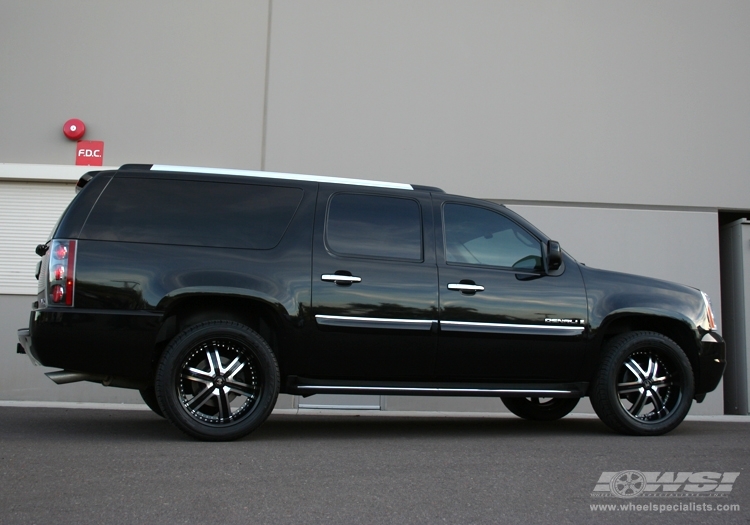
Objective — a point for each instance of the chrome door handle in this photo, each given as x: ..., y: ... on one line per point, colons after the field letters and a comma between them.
x: 466, y: 287
x: 343, y: 279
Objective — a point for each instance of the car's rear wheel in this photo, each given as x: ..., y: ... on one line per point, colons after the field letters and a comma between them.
x: 540, y: 408
x: 217, y: 381
x: 644, y: 386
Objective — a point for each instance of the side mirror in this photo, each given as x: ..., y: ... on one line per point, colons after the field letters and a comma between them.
x: 554, y: 256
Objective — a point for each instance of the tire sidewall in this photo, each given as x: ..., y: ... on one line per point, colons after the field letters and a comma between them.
x: 170, y: 366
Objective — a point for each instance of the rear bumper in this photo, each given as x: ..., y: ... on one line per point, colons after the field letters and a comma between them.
x: 24, y: 345
x: 101, y: 342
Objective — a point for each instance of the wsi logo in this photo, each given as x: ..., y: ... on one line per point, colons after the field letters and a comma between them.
x: 633, y: 483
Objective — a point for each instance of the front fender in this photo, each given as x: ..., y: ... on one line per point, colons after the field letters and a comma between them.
x: 661, y: 313
x: 612, y: 294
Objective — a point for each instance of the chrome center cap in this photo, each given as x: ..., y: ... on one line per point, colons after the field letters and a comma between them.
x: 219, y: 382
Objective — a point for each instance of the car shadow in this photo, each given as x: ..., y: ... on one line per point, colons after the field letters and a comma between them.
x: 315, y: 427
x: 123, y: 425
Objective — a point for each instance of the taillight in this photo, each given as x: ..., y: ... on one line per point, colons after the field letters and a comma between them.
x: 59, y: 272
x: 62, y: 264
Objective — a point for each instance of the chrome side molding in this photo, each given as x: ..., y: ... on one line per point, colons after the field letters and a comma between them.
x: 374, y: 322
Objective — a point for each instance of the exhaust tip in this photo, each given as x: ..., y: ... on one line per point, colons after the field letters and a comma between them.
x: 63, y: 377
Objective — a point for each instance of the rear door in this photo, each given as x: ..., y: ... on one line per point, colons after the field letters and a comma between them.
x: 374, y: 285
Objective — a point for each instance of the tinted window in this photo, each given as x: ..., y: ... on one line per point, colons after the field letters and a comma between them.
x: 480, y: 236
x: 374, y: 226
x: 192, y: 213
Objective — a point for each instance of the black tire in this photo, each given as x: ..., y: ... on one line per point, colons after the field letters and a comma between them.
x: 644, y: 385
x: 149, y: 397
x: 217, y: 381
x: 540, y: 408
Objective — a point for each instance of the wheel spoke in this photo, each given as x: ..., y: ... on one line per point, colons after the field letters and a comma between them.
x: 215, y: 361
x: 636, y: 369
x: 655, y: 372
x: 234, y: 368
x: 629, y: 387
x: 658, y: 401
x: 663, y: 382
x: 638, y: 405
x: 194, y: 374
x: 242, y: 389
x: 201, y: 398
x: 197, y: 373
x: 223, y: 370
x: 225, y: 410
x: 651, y: 369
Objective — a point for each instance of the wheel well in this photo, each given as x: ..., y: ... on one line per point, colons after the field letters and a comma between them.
x: 676, y: 330
x: 187, y: 312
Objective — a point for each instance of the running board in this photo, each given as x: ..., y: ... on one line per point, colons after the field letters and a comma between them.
x: 307, y: 387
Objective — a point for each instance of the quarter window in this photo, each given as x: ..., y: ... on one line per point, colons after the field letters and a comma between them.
x: 192, y: 213
x: 374, y: 226
x: 475, y: 235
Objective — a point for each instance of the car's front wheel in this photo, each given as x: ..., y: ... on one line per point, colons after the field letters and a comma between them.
x: 540, y: 408
x: 644, y: 385
x: 217, y: 381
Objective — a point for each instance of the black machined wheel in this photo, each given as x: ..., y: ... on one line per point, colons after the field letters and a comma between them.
x: 644, y: 386
x: 540, y: 408
x: 217, y: 381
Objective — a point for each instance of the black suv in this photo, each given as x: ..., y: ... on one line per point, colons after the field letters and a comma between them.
x: 211, y: 291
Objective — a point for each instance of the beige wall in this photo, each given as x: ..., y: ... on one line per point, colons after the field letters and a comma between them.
x: 585, y: 101
x: 172, y: 81
x: 577, y: 101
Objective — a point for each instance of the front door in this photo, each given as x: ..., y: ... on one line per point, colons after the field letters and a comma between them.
x: 502, y: 318
x: 374, y: 286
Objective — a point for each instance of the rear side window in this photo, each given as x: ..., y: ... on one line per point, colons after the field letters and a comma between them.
x: 374, y: 226
x: 193, y: 213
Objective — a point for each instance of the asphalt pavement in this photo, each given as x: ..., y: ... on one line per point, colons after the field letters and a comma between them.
x: 63, y: 465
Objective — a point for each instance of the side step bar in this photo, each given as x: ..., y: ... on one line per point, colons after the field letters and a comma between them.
x: 307, y: 387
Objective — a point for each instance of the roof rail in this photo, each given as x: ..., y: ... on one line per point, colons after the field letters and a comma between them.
x: 268, y: 175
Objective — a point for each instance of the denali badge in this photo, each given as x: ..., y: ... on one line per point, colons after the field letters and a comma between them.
x: 565, y: 321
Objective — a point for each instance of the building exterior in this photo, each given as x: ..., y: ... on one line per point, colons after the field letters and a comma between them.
x: 620, y: 129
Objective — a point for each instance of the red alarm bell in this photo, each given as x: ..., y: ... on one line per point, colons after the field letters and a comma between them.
x: 74, y: 129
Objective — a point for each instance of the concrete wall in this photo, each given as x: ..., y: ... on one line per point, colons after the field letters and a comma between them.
x: 578, y: 101
x: 174, y: 81
x: 641, y: 103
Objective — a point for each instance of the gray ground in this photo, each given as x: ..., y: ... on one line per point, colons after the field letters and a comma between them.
x: 62, y: 465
